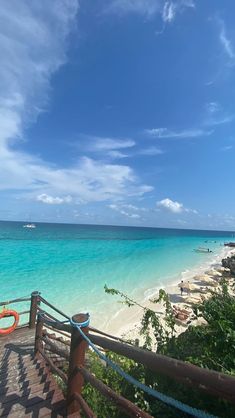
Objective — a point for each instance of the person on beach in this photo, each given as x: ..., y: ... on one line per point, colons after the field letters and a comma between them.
x: 182, y: 287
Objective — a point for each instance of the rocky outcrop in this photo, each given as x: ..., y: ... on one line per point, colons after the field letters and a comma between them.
x: 229, y: 262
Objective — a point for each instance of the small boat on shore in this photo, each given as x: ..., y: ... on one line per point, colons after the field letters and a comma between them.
x: 32, y: 226
x: 229, y: 244
x: 203, y: 250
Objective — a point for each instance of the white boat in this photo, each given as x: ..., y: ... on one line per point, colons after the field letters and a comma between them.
x: 32, y: 226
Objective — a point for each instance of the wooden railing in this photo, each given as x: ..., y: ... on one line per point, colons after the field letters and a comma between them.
x: 31, y: 311
x: 61, y: 344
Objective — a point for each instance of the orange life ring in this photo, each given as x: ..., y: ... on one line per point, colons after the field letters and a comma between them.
x: 6, y: 313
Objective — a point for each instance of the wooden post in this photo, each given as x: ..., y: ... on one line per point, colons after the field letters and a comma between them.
x: 77, y: 358
x: 33, y: 309
x: 38, y: 334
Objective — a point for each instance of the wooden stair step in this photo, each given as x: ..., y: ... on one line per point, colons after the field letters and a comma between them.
x: 22, y: 377
x: 30, y: 390
x: 21, y: 369
x: 43, y: 410
x: 31, y: 402
x: 15, y: 371
x: 20, y: 386
x: 15, y: 358
x: 22, y: 383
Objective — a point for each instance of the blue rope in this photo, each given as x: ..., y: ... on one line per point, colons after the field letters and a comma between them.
x: 152, y: 392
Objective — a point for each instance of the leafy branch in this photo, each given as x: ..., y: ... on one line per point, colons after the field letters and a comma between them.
x: 151, y: 324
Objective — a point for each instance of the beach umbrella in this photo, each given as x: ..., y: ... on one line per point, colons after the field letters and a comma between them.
x: 190, y: 299
x: 205, y: 278
x: 202, y: 277
x: 190, y: 286
x: 221, y: 268
x: 213, y: 273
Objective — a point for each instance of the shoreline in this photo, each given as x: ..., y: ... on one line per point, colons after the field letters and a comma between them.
x: 127, y: 321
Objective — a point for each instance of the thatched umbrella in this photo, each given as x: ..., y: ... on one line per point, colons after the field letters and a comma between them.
x: 190, y: 299
x: 214, y: 273
x: 203, y: 277
x: 223, y: 269
x: 190, y: 286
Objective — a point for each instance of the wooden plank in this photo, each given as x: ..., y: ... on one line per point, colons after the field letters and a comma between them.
x: 34, y: 381
x: 14, y: 369
x: 26, y: 393
x: 55, y: 349
x: 21, y: 378
x: 31, y: 401
x: 38, y: 409
x: 53, y: 367
x: 55, y: 338
x: 14, y: 358
x: 68, y: 336
x: 16, y: 374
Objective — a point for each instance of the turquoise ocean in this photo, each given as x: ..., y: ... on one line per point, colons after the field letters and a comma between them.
x: 70, y: 264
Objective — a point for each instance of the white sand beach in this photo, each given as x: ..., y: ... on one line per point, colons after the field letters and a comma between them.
x: 127, y: 322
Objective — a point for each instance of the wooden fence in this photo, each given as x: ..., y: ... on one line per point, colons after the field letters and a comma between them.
x: 54, y: 337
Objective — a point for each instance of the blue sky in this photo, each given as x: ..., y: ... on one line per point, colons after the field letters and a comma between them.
x: 118, y: 112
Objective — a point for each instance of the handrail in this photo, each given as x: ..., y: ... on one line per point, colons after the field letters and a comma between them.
x: 85, y: 408
x: 8, y: 302
x: 97, y: 331
x: 54, y: 348
x: 23, y: 312
x: 57, y: 325
x: 56, y: 370
x: 53, y: 307
x: 127, y: 406
x: 65, y: 334
x: 49, y: 315
x: 207, y: 380
x: 55, y: 338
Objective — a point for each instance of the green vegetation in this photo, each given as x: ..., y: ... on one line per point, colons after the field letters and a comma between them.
x: 211, y: 346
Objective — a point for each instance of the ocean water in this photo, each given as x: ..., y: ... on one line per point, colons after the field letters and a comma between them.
x: 70, y: 264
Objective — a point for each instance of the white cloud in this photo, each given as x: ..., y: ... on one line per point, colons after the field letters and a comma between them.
x: 169, y: 11
x: 30, y: 52
x: 151, y: 151
x: 122, y: 210
x: 225, y: 41
x: 170, y: 205
x: 185, y: 133
x: 216, y: 115
x: 105, y: 144
x: 112, y: 147
x: 149, y: 8
x: 213, y: 107
x: 116, y: 154
x: 107, y: 147
x: 50, y: 200
x: 227, y: 148
x: 146, y: 8
x: 89, y: 180
x: 33, y: 43
x: 174, y: 206
x: 219, y: 119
